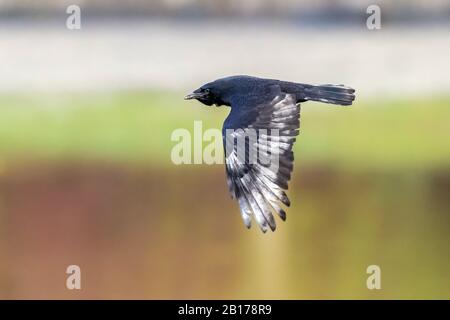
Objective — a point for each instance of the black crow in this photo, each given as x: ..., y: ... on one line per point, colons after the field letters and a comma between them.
x: 271, y: 109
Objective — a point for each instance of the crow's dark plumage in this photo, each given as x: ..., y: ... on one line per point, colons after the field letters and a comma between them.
x: 271, y: 108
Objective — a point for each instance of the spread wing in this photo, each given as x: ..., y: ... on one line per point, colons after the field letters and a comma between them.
x: 267, y: 129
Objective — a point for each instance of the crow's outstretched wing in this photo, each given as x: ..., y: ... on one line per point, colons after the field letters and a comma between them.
x: 259, y: 186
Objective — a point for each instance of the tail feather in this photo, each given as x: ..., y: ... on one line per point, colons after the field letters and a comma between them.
x: 329, y: 93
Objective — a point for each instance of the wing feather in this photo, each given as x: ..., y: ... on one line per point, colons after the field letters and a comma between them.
x: 259, y: 186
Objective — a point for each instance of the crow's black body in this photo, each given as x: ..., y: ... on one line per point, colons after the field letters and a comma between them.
x: 271, y: 108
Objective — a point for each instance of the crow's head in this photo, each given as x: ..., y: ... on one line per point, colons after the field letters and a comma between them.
x: 218, y: 92
x: 205, y: 95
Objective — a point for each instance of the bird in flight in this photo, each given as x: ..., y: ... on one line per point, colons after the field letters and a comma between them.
x: 265, y: 118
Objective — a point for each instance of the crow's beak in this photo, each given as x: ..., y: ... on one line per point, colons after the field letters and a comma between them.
x: 195, y: 95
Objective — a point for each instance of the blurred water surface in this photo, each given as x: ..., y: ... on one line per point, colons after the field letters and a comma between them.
x: 143, y: 233
x: 88, y: 180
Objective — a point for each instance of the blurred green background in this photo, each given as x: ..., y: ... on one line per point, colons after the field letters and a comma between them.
x: 86, y: 176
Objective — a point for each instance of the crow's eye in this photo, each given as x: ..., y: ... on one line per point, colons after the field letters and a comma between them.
x: 207, y: 90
